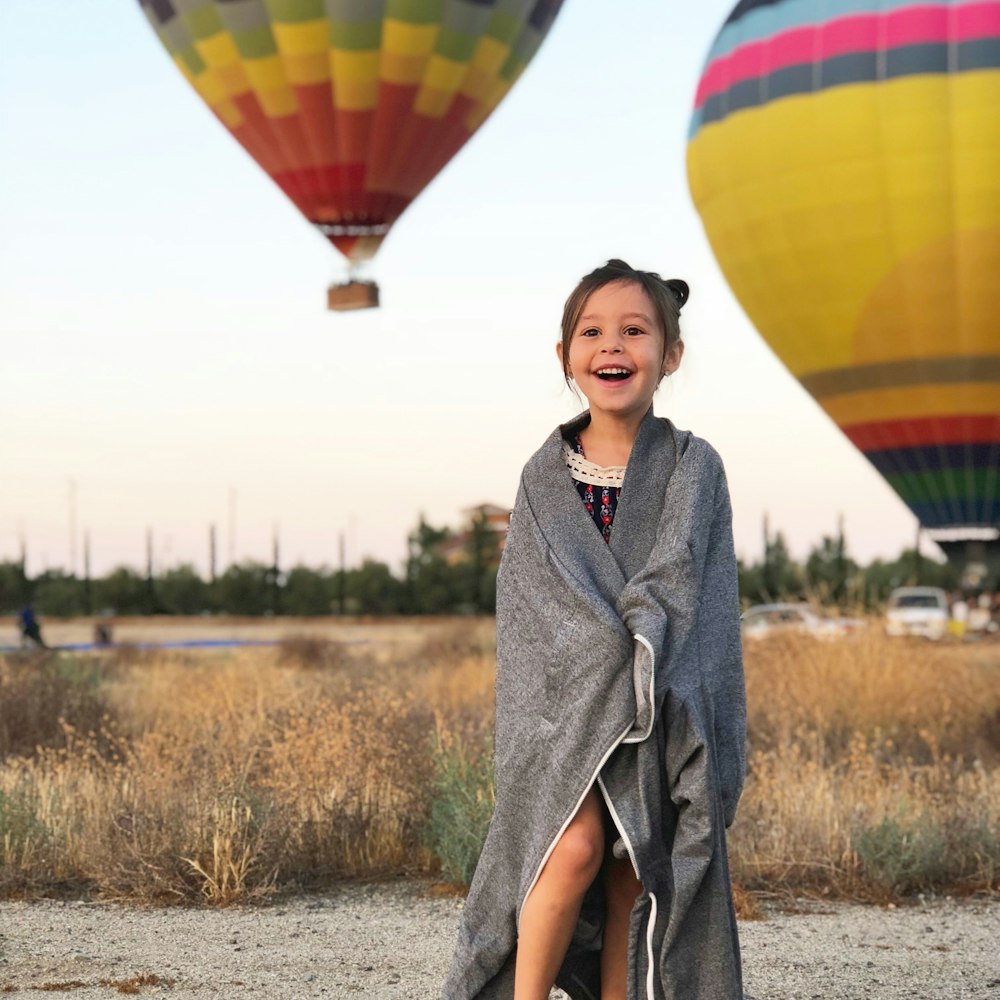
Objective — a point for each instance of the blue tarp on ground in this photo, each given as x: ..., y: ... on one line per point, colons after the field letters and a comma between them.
x: 74, y: 647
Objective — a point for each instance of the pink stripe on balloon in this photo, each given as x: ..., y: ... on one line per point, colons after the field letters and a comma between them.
x: 916, y: 26
x: 744, y: 63
x: 977, y: 20
x: 792, y: 48
x: 846, y: 35
x: 849, y: 34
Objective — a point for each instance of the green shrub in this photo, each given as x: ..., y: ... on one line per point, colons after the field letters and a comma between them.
x: 904, y: 854
x: 21, y: 832
x: 462, y: 800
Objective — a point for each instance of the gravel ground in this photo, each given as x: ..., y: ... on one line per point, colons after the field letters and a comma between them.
x: 393, y: 941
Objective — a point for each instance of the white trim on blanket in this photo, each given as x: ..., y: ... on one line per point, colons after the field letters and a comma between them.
x: 555, y: 840
x: 651, y: 920
x: 650, y: 964
x: 618, y: 825
x: 639, y: 737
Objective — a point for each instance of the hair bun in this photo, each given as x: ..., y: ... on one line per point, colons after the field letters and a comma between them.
x: 680, y: 289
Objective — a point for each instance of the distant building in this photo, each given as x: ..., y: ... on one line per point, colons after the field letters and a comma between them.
x: 495, y: 519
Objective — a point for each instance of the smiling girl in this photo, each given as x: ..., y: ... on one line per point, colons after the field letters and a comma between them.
x: 620, y: 723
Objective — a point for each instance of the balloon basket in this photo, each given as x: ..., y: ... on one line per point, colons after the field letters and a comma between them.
x: 352, y: 295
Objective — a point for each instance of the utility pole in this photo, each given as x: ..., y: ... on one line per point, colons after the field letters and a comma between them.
x: 342, y: 577
x: 150, y: 586
x: 88, y: 598
x: 211, y: 553
x: 275, y: 591
x: 766, y: 571
x: 841, y: 589
x: 232, y: 525
x: 23, y: 596
x: 71, y: 501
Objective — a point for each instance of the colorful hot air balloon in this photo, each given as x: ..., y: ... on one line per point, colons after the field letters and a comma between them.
x: 352, y: 106
x: 844, y: 157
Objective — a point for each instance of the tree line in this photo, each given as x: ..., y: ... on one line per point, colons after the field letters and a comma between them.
x: 430, y: 583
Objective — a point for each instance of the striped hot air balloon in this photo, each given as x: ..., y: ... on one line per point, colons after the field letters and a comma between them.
x: 352, y: 106
x: 844, y: 156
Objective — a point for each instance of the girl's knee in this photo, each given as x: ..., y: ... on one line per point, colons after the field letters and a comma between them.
x: 580, y: 849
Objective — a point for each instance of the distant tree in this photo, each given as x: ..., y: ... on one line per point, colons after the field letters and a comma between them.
x: 182, y: 591
x: 55, y: 592
x: 829, y: 571
x: 432, y: 585
x: 373, y: 590
x: 477, y: 572
x: 245, y: 589
x: 777, y: 578
x: 14, y: 588
x: 123, y: 591
x: 308, y: 591
x: 750, y: 581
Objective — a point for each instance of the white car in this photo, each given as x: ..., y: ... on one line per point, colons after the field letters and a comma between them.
x: 919, y: 611
x: 764, y: 620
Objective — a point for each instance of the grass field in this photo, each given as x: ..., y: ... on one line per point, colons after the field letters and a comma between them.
x: 356, y: 749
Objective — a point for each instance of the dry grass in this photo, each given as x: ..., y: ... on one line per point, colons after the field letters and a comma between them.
x: 224, y: 777
x: 221, y: 777
x: 874, y: 768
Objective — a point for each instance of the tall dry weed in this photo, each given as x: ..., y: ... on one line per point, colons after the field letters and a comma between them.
x: 874, y: 768
x: 41, y: 689
x: 920, y: 698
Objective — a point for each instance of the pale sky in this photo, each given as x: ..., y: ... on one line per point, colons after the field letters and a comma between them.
x: 166, y: 343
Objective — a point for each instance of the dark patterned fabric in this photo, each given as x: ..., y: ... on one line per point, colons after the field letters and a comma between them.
x: 601, y: 501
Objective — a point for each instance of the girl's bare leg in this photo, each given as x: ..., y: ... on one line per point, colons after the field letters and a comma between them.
x: 621, y: 888
x: 553, y: 906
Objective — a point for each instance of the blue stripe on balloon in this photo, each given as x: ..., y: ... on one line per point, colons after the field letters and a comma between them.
x: 933, y: 458
x: 856, y: 67
x: 765, y: 22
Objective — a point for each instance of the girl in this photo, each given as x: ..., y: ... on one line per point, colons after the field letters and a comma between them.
x: 620, y: 722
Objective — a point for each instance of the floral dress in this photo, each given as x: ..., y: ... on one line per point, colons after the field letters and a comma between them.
x: 599, y: 487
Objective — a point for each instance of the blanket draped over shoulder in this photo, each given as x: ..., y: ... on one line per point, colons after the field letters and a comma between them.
x: 617, y: 664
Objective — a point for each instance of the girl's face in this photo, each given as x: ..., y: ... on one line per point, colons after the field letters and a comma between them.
x: 616, y: 353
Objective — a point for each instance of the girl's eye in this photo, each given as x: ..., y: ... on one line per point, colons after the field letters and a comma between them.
x: 634, y: 331
x: 589, y: 332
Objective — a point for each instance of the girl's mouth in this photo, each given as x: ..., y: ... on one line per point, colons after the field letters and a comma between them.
x: 613, y: 374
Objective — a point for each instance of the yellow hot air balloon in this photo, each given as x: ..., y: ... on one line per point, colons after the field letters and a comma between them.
x: 352, y: 106
x: 844, y: 157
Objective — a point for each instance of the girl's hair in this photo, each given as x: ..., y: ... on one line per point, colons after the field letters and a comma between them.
x: 667, y: 296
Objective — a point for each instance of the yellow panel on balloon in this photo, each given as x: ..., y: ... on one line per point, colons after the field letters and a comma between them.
x: 302, y: 39
x: 403, y: 39
x: 218, y: 50
x: 304, y: 70
x: 266, y: 74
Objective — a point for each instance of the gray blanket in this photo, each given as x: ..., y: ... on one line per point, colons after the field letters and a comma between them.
x: 618, y: 663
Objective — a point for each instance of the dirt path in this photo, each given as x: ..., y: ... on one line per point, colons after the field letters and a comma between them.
x: 393, y: 941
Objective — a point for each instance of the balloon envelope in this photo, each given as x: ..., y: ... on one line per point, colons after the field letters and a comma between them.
x: 352, y: 106
x: 844, y: 156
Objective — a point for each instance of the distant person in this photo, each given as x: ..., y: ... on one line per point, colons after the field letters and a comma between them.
x: 619, y: 692
x: 959, y: 616
x: 102, y: 635
x: 31, y: 631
